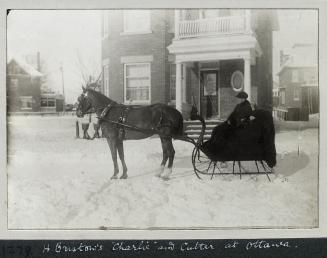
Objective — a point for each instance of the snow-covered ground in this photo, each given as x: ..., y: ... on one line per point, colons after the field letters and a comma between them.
x: 58, y: 182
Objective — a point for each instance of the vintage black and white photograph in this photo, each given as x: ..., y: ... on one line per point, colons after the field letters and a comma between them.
x: 162, y: 119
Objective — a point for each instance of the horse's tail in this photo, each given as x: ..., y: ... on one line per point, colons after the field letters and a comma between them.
x: 181, y: 126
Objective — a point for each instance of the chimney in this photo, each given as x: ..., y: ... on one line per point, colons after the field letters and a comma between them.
x: 38, y: 60
x: 281, y: 58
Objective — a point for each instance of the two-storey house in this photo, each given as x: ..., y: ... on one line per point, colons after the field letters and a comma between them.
x: 298, y: 78
x: 23, y: 86
x: 184, y: 57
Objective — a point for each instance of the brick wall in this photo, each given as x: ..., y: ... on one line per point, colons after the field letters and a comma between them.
x: 154, y: 44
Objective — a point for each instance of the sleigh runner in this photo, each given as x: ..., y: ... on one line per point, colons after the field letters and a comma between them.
x: 255, y: 141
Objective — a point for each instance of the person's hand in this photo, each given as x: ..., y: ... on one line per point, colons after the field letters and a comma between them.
x: 252, y: 118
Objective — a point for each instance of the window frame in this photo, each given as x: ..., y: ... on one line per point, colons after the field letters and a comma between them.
x: 105, y: 24
x: 296, y: 94
x: 232, y: 81
x: 48, y: 99
x: 283, y: 97
x: 29, y: 98
x: 141, y: 31
x: 14, y: 82
x: 126, y: 101
x: 295, y: 75
x: 106, y: 76
x: 172, y: 82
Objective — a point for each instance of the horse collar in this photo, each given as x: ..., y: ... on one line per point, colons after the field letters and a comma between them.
x: 106, y: 110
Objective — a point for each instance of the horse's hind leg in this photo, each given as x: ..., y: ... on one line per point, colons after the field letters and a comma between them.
x: 171, y: 155
x: 112, y: 142
x: 120, y: 147
x: 164, y: 156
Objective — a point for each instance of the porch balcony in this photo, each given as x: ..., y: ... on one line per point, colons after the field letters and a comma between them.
x: 218, y: 26
x: 203, y: 38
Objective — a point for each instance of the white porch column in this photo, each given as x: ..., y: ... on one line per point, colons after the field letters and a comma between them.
x: 247, y: 77
x: 200, y: 14
x: 184, y: 82
x: 177, y: 18
x: 248, y: 20
x: 179, y: 97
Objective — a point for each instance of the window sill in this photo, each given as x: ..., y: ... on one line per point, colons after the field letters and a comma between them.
x: 127, y: 33
x: 136, y: 103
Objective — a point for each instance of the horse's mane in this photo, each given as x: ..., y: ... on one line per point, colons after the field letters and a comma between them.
x: 102, y: 99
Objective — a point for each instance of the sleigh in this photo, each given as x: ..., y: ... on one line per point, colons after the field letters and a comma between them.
x: 254, y: 141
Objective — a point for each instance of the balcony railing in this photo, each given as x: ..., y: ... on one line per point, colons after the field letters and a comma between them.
x: 311, y: 82
x: 213, y: 26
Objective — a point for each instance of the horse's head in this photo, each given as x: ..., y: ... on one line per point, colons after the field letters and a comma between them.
x: 84, y: 104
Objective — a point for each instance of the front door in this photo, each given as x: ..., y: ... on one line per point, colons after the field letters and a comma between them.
x: 209, y: 94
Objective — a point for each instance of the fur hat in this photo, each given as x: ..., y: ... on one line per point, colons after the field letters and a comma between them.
x: 242, y: 95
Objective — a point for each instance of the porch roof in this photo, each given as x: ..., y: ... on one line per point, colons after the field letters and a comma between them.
x: 216, y: 48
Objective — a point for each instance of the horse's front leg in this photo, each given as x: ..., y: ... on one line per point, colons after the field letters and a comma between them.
x: 120, y: 147
x: 112, y: 142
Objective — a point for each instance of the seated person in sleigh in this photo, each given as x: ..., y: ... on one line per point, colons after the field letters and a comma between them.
x: 246, y: 135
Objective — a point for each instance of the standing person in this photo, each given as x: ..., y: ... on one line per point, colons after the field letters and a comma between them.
x: 84, y: 123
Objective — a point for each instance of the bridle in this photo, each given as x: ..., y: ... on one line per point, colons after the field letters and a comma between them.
x: 92, y: 110
x: 80, y: 107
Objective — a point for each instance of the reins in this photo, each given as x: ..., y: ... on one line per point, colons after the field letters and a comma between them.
x: 149, y: 131
x: 105, y: 111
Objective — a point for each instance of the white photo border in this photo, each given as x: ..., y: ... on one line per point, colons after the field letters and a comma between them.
x: 321, y: 231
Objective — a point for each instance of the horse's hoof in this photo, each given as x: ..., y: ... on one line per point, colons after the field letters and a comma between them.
x: 160, y: 171
x: 123, y: 177
x: 114, y: 177
x: 166, y: 174
x: 165, y: 178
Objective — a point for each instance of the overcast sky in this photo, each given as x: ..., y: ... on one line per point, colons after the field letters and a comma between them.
x: 70, y: 38
x: 63, y: 36
x: 295, y: 26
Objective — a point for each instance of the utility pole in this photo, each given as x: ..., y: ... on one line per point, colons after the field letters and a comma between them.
x: 63, y: 86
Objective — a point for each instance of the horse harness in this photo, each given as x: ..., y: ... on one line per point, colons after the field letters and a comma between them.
x: 121, y: 122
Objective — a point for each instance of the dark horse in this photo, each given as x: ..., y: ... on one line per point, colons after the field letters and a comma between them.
x: 141, y: 122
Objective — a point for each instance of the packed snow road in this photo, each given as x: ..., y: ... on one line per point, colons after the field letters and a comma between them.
x: 58, y: 182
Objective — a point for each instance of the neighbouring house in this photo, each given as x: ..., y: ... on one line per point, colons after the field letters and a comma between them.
x: 275, y: 94
x: 298, y: 79
x: 23, y: 87
x: 185, y: 57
